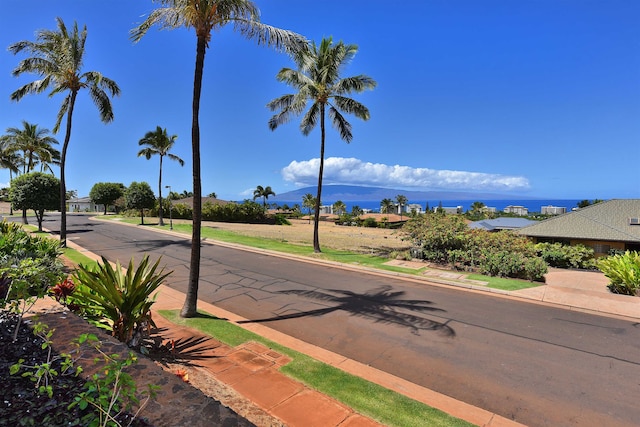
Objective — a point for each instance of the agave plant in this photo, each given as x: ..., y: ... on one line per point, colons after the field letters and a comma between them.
x: 117, y: 299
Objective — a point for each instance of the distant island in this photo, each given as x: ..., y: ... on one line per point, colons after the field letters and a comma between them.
x: 352, y: 193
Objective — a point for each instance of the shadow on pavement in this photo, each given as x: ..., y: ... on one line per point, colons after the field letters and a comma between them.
x: 380, y: 305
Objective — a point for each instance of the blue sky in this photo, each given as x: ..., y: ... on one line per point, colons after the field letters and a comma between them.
x: 524, y: 97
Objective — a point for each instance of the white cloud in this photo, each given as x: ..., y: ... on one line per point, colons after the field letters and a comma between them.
x: 350, y: 171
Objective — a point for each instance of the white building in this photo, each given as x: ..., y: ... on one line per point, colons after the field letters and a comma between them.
x: 517, y: 210
x: 83, y: 204
x: 552, y: 210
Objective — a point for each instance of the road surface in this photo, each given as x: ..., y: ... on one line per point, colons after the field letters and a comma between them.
x: 538, y: 365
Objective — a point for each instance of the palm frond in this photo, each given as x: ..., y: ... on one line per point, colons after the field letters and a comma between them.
x: 310, y: 119
x: 61, y: 112
x: 102, y: 101
x: 267, y: 35
x: 281, y: 103
x: 354, y: 84
x: 351, y: 106
x: 340, y: 124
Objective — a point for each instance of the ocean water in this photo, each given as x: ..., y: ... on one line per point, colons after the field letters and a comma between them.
x: 533, y: 205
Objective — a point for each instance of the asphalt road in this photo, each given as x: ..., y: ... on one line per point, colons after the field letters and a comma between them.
x: 538, y: 365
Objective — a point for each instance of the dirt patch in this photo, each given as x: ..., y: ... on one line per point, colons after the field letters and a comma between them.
x: 355, y: 239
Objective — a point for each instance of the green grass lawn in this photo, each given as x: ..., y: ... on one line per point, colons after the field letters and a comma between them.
x: 365, y: 397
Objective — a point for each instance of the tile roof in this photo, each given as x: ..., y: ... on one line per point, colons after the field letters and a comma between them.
x: 608, y: 221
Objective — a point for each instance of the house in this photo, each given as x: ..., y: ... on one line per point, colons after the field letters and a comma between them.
x: 502, y: 223
x: 83, y: 204
x: 449, y: 210
x: 413, y: 208
x: 614, y: 224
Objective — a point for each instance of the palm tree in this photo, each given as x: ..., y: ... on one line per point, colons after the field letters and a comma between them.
x: 318, y: 80
x: 309, y: 202
x: 264, y: 193
x: 204, y: 16
x: 58, y: 59
x: 386, y: 206
x: 339, y: 207
x: 402, y: 201
x: 9, y: 159
x: 160, y: 143
x: 36, y: 146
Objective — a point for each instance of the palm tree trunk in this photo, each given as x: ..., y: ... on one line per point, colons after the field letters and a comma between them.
x: 190, y: 307
x: 63, y: 185
x: 160, y: 222
x: 316, y: 216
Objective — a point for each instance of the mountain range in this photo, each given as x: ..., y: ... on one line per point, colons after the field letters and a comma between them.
x: 351, y: 193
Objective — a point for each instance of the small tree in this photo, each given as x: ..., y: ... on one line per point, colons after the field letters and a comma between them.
x: 263, y: 192
x: 140, y: 196
x: 37, y: 191
x: 339, y: 208
x: 106, y: 193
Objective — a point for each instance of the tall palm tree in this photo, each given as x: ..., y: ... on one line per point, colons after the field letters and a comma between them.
x: 318, y: 81
x: 57, y: 57
x: 386, y: 206
x: 160, y: 143
x: 36, y: 145
x: 264, y: 193
x: 309, y: 202
x: 204, y: 16
x: 402, y: 201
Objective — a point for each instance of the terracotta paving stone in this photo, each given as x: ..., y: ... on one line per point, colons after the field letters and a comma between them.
x: 256, y: 347
x: 267, y: 388
x: 233, y: 374
x: 216, y: 365
x: 249, y: 360
x: 311, y: 409
x: 356, y: 420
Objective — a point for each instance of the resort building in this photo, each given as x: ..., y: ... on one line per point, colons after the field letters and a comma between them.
x: 552, y: 210
x: 516, y: 210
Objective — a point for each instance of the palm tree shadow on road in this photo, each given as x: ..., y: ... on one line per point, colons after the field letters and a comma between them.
x: 380, y: 305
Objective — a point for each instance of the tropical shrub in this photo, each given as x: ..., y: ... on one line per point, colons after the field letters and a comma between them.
x: 280, y: 219
x: 623, y: 272
x: 116, y: 300
x: 566, y: 256
x: 370, y: 222
x: 29, y: 265
x: 446, y: 239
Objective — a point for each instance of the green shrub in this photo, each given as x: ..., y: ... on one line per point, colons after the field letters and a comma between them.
x: 280, y: 219
x: 370, y: 222
x: 119, y: 301
x: 29, y: 265
x: 623, y: 272
x: 566, y: 256
x: 446, y: 239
